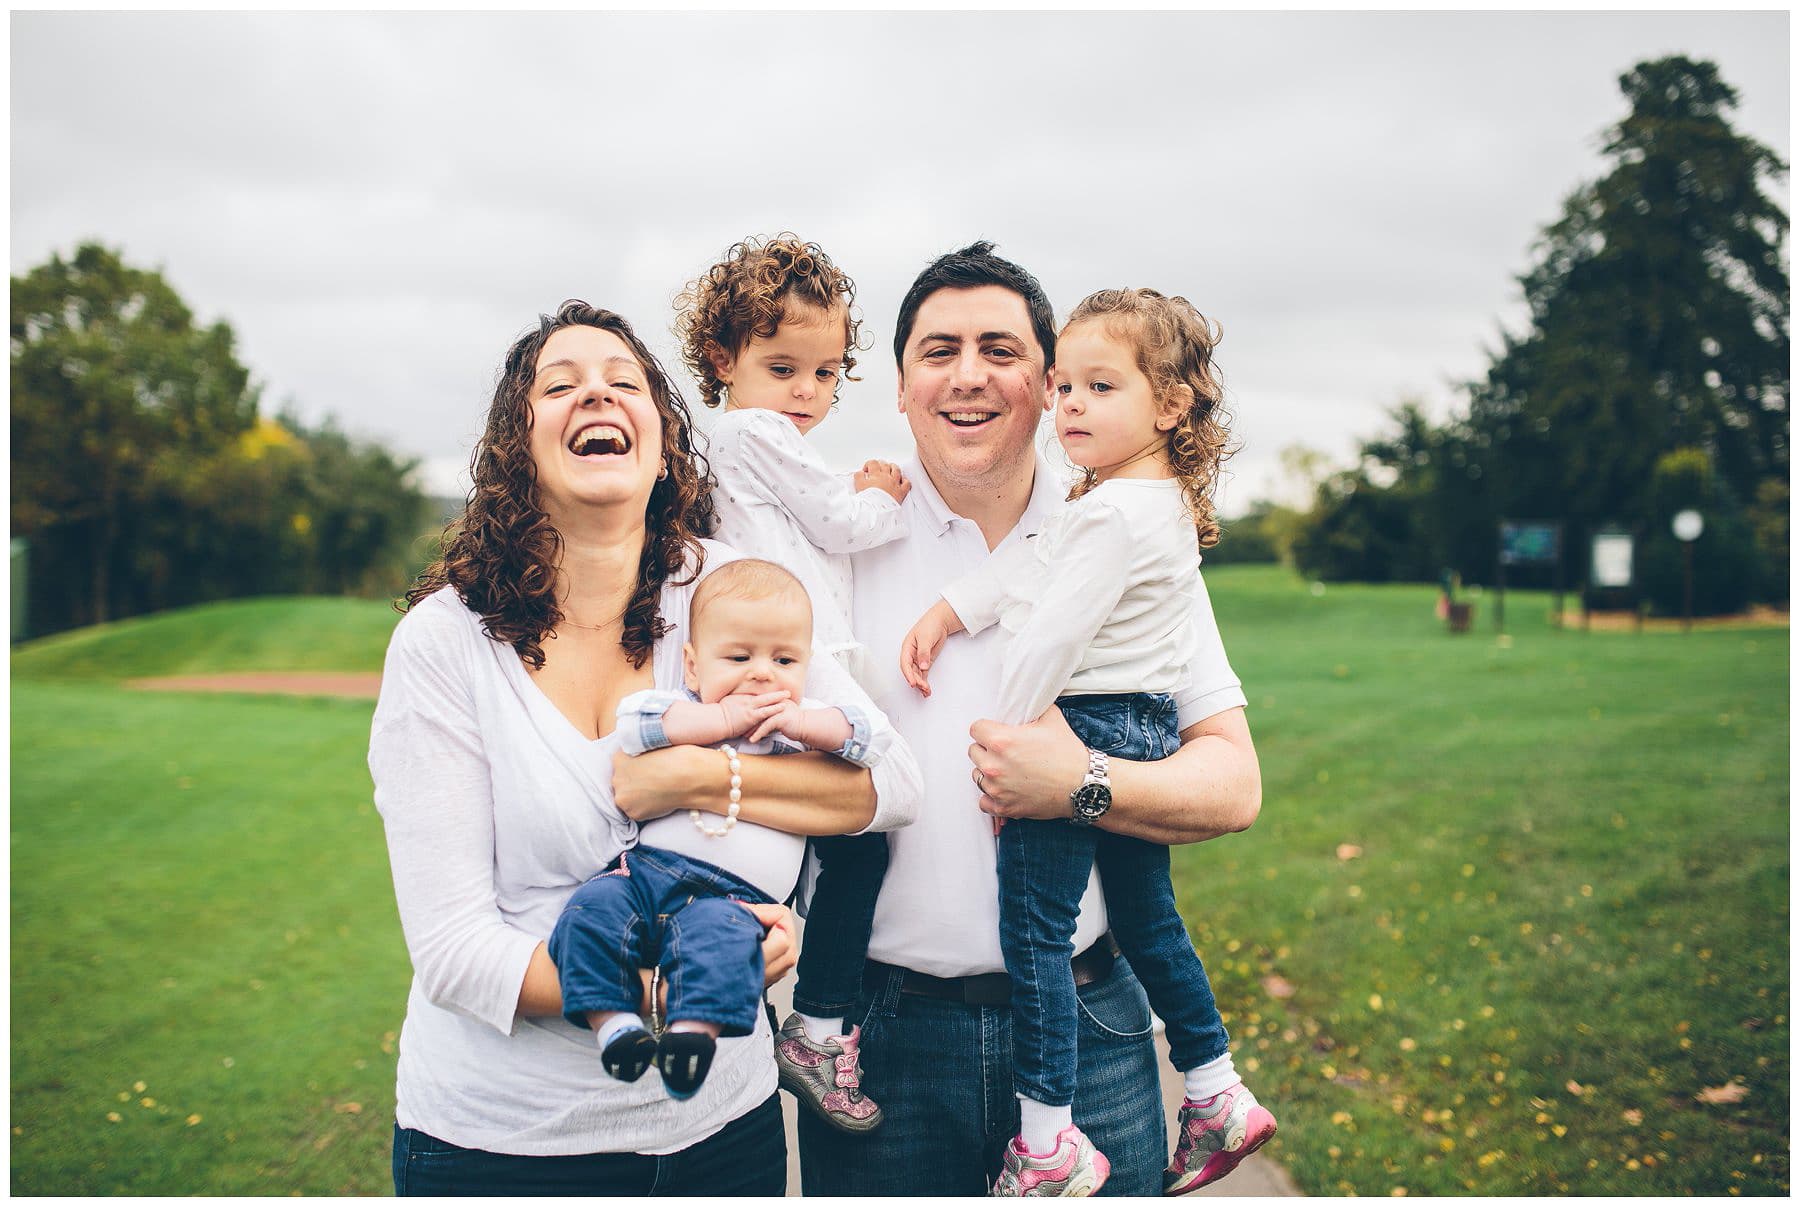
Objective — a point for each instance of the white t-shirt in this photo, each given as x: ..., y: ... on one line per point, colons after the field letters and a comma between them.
x: 778, y: 500
x: 1101, y: 601
x: 496, y: 809
x: 939, y: 910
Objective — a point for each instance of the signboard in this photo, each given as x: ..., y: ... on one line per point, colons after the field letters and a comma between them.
x: 1611, y: 560
x: 1529, y: 542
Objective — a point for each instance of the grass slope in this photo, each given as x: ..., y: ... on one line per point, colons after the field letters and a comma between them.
x: 275, y: 633
x: 1568, y: 916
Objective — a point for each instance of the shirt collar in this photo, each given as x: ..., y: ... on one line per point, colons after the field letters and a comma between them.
x: 1048, y: 489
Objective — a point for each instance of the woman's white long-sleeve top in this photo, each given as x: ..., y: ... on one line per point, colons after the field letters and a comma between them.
x: 496, y: 809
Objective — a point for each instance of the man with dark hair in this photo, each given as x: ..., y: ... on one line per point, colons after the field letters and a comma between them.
x: 974, y: 342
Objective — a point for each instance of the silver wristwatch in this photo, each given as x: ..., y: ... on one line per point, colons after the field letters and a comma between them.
x: 1094, y: 797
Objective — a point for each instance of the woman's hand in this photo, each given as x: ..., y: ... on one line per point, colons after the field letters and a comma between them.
x: 780, y: 953
x: 1028, y: 770
x: 659, y: 782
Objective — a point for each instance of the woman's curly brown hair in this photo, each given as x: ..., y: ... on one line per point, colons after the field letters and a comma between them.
x: 502, y: 554
x: 748, y: 293
x: 1173, y: 343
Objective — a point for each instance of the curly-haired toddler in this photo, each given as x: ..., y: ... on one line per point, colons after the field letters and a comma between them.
x: 1098, y: 611
x: 769, y: 331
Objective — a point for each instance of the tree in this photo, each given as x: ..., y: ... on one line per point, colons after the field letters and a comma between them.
x: 114, y: 388
x: 1659, y: 319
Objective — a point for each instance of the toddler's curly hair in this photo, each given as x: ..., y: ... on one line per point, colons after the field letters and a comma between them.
x: 748, y: 293
x: 1173, y: 344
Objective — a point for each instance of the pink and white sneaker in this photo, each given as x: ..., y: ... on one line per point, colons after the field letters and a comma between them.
x: 827, y: 1077
x: 1216, y: 1133
x: 1074, y: 1169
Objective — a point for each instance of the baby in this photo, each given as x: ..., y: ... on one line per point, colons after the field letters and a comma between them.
x: 673, y: 898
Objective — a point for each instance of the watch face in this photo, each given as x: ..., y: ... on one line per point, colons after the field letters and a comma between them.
x: 1091, y: 800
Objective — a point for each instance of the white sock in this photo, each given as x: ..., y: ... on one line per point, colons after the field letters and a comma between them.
x: 1040, y: 1125
x: 821, y: 1029
x: 1214, y: 1077
x: 617, y: 1023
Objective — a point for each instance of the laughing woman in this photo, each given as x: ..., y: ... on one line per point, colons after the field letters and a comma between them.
x: 564, y: 590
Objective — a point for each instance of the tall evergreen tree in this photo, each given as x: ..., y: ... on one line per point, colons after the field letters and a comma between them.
x: 1659, y: 318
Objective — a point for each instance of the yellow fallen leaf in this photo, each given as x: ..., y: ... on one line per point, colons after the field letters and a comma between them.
x: 1346, y: 851
x: 1731, y: 1091
x: 1278, y: 986
x: 138, y: 1086
x: 192, y: 1119
x: 1408, y: 1043
x: 1634, y: 1117
x: 113, y: 1116
x: 1576, y: 1088
x: 348, y: 1108
x: 146, y: 1102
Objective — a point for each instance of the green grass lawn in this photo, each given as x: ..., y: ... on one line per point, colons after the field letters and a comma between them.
x: 1567, y: 918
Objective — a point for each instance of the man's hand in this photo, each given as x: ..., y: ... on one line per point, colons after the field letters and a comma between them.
x: 780, y: 953
x: 1028, y: 770
x: 882, y: 475
x: 920, y: 648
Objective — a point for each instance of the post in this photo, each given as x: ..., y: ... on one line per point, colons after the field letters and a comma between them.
x: 1559, y: 577
x: 1687, y: 586
x: 1500, y: 594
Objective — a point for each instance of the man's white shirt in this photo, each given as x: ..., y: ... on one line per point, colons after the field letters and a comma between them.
x: 939, y: 909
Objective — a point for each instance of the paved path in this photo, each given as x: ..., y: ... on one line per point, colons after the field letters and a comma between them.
x: 1257, y: 1177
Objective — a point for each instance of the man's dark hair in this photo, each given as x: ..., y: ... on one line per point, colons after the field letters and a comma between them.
x: 970, y: 268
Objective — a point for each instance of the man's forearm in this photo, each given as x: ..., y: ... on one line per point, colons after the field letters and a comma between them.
x: 1211, y: 786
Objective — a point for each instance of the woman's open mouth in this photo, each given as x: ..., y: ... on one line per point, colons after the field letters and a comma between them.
x: 600, y: 440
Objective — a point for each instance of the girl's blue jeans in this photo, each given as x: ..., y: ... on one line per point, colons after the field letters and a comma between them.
x: 1044, y: 871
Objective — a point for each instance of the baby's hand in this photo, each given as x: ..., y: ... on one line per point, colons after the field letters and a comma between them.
x: 780, y: 720
x: 883, y: 475
x: 744, y: 713
x: 920, y: 649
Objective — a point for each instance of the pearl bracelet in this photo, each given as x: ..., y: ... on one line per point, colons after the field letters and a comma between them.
x: 731, y: 812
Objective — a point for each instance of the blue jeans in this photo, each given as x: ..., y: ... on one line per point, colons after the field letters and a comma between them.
x: 1043, y: 869
x: 838, y: 921
x: 942, y: 1072
x: 654, y: 908
x: 747, y: 1157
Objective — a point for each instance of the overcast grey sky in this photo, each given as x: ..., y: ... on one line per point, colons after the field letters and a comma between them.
x: 379, y: 204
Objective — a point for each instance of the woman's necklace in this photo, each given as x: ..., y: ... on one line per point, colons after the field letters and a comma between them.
x: 592, y: 628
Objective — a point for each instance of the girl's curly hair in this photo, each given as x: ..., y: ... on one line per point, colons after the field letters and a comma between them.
x: 748, y: 293
x: 1173, y: 343
x: 502, y: 554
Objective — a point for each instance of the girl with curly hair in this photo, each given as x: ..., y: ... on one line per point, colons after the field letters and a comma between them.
x: 768, y: 331
x: 565, y: 588
x: 1097, y: 610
